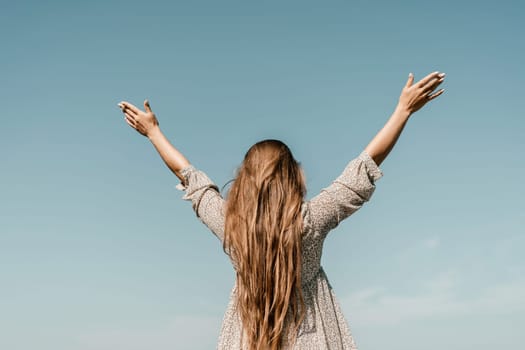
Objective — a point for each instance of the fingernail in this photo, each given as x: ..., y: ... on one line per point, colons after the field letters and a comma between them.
x: 442, y: 74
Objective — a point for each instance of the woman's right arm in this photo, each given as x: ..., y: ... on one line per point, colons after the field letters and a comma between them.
x: 413, y: 97
x: 199, y: 189
x: 146, y: 124
x: 171, y: 156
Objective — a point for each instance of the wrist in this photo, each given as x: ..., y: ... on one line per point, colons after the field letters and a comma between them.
x: 154, y: 133
x: 402, y: 111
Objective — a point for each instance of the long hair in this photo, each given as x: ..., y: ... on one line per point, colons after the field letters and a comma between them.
x: 263, y: 229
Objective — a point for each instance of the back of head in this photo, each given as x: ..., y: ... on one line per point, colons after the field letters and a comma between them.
x: 263, y: 232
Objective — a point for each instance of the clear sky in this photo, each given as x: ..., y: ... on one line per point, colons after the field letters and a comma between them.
x: 97, y: 249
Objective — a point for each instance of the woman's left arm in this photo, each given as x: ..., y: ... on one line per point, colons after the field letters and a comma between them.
x: 146, y: 123
x: 413, y: 97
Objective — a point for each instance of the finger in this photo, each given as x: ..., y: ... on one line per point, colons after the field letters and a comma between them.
x: 426, y: 79
x: 433, y: 96
x: 129, y: 122
x: 147, y: 106
x: 410, y: 80
x: 130, y: 116
x: 432, y: 84
x: 130, y: 106
x: 123, y: 108
x: 129, y: 111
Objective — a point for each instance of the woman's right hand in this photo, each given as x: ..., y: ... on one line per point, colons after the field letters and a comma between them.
x: 142, y: 121
x: 415, y: 96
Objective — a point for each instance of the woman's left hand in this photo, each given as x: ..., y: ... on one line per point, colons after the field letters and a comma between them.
x: 415, y: 96
x: 142, y: 121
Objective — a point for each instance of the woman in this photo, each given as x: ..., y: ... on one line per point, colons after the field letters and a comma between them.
x: 282, y: 298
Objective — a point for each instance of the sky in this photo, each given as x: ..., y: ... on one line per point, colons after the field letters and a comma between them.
x: 99, y: 251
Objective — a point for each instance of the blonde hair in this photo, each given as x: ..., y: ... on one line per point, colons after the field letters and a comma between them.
x: 263, y: 229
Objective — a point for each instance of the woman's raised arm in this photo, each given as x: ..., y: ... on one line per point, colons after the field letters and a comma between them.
x: 413, y: 97
x: 146, y: 124
x: 199, y: 189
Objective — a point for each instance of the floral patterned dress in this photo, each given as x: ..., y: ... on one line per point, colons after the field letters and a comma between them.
x: 324, y: 326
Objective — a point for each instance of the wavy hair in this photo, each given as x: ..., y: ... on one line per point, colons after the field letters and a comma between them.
x: 263, y: 229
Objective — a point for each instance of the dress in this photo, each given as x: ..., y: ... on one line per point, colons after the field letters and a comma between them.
x: 324, y: 326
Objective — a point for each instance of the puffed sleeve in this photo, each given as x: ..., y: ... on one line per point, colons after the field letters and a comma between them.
x: 205, y: 197
x: 345, y: 195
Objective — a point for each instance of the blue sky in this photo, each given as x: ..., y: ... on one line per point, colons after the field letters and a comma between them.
x: 99, y: 251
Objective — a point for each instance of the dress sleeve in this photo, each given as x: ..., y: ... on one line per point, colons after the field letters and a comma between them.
x: 346, y: 194
x: 205, y: 197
